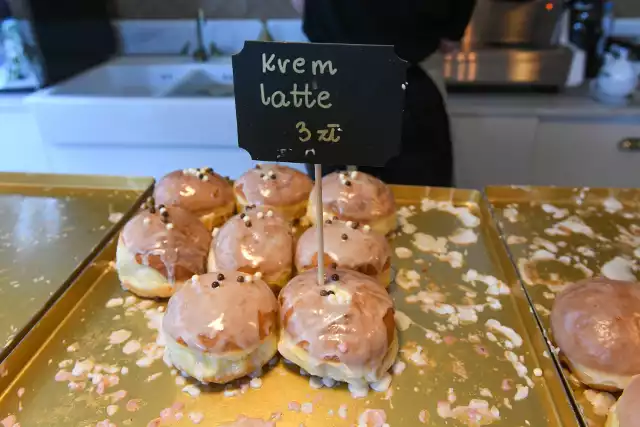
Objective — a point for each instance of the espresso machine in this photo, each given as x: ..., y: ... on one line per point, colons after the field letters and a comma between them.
x: 511, y: 45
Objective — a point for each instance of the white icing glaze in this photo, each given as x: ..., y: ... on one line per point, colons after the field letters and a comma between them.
x: 251, y: 244
x: 383, y: 384
x: 463, y: 213
x: 557, y: 213
x: 430, y: 244
x: 619, y: 269
x: 350, y: 325
x: 346, y: 245
x: 177, y: 253
x: 494, y: 286
x: 403, y: 253
x: 408, y: 279
x: 521, y: 392
x: 511, y: 213
x: 463, y: 236
x: 509, y: 333
x: 364, y: 199
x: 612, y: 205
x: 217, y: 319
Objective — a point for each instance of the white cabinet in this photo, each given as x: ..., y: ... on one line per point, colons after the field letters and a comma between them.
x: 21, y: 148
x: 490, y: 150
x: 587, y: 151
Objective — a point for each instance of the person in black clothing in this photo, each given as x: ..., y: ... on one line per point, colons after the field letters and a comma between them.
x: 416, y: 29
x: 5, y: 12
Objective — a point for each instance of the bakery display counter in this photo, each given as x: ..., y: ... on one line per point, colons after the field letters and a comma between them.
x: 471, y: 352
x: 51, y: 227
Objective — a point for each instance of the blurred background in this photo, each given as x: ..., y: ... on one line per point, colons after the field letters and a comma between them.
x: 537, y: 92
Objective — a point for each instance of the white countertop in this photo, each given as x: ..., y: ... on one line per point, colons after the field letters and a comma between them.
x: 574, y: 102
x: 12, y: 100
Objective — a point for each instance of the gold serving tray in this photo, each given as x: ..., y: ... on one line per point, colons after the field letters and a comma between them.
x: 51, y: 226
x: 456, y: 364
x: 527, y: 213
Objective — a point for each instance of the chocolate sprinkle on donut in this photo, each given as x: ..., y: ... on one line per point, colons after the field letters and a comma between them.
x: 215, y: 284
x: 248, y: 223
x: 273, y: 176
x: 242, y: 215
x: 329, y: 222
x: 220, y: 276
x: 334, y: 265
x: 240, y: 279
x: 355, y: 225
x: 347, y: 183
x: 335, y: 277
x: 344, y: 237
x: 325, y: 293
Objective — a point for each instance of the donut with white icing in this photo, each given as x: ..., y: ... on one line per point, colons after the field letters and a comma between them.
x: 626, y: 411
x: 595, y: 323
x: 358, y: 197
x: 343, y: 329
x: 280, y: 188
x: 348, y: 245
x: 201, y: 191
x: 160, y: 248
x: 221, y: 326
x: 257, y: 241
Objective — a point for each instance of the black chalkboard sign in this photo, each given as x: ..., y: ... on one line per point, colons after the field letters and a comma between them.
x: 319, y: 103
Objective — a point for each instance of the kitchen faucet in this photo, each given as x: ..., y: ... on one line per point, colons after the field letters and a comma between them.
x: 200, y: 54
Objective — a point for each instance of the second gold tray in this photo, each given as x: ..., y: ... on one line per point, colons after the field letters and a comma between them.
x: 557, y: 236
x: 471, y: 351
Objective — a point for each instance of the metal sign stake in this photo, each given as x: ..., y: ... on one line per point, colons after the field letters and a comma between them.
x: 319, y: 223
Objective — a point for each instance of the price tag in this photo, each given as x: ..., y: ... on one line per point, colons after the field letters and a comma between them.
x: 319, y: 103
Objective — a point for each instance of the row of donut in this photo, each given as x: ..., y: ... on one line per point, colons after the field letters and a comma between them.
x: 165, y: 244
x: 354, y: 196
x: 224, y: 325
x: 596, y: 325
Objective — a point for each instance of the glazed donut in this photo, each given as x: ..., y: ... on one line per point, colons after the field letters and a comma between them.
x: 257, y: 241
x: 221, y: 326
x: 200, y: 191
x: 281, y: 188
x: 160, y: 248
x: 343, y: 329
x: 595, y: 325
x: 626, y: 412
x: 357, y: 197
x: 347, y: 245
